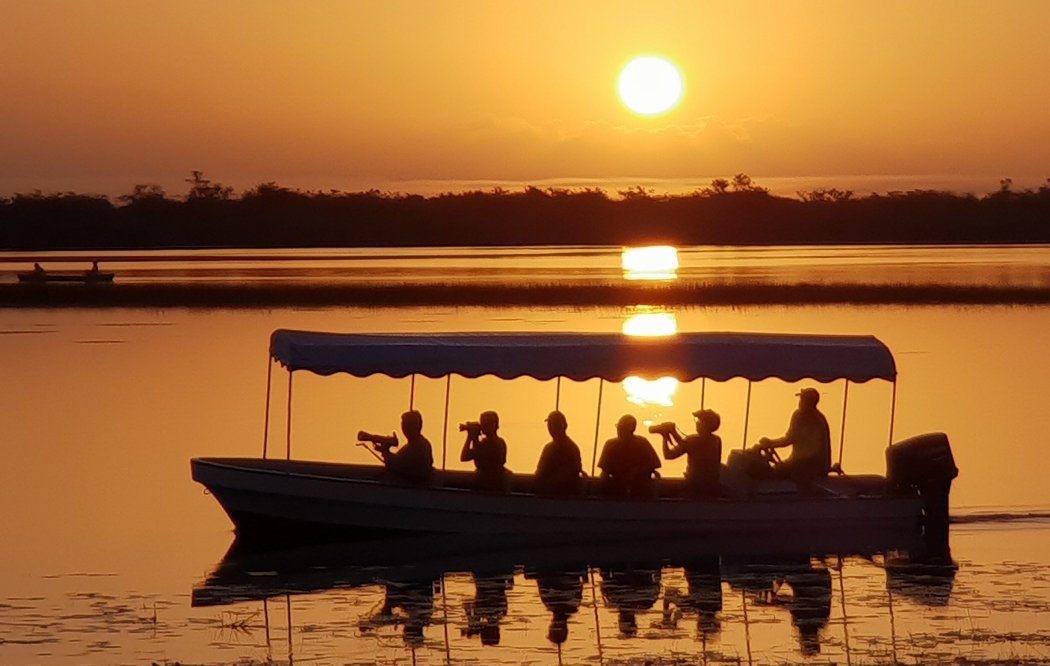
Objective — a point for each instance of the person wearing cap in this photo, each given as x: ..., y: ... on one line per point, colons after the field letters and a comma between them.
x: 560, y: 468
x: 488, y: 451
x: 628, y: 462
x: 808, y: 436
x: 703, y: 453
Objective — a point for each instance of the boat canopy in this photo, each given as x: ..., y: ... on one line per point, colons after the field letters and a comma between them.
x: 580, y: 356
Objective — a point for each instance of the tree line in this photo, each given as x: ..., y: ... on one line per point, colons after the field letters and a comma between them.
x: 726, y: 212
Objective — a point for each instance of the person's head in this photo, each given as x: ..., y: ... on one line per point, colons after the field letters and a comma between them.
x: 628, y: 624
x: 626, y: 425
x: 490, y: 633
x: 808, y: 398
x: 707, y: 420
x: 411, y: 423
x: 558, y: 631
x: 489, y: 422
x: 556, y: 424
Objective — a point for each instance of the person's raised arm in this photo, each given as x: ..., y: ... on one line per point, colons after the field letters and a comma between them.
x: 672, y: 452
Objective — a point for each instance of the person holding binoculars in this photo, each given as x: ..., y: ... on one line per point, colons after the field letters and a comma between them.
x: 703, y: 452
x: 414, y: 461
x: 488, y: 451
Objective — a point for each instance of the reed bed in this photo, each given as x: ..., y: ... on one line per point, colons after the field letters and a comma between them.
x: 244, y: 295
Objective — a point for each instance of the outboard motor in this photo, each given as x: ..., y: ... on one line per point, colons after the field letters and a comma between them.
x: 924, y: 464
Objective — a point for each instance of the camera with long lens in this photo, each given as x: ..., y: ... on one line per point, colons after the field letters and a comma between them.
x: 665, y: 428
x: 382, y: 442
x: 472, y: 427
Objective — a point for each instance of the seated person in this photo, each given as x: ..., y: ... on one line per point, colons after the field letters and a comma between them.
x: 560, y: 469
x: 628, y: 463
x: 488, y: 451
x: 412, y: 462
x: 703, y: 452
x: 809, y: 437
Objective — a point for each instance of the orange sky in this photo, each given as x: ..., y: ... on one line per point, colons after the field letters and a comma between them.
x: 103, y: 94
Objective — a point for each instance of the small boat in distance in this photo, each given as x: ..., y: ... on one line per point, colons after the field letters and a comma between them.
x: 39, y: 275
x: 273, y: 499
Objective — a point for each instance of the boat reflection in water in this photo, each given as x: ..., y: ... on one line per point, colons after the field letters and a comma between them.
x: 654, y: 589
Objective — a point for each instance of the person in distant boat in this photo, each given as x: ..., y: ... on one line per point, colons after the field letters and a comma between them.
x: 412, y: 462
x: 488, y: 451
x: 809, y: 437
x: 703, y: 452
x: 94, y: 268
x: 38, y: 269
x: 628, y: 462
x: 560, y: 469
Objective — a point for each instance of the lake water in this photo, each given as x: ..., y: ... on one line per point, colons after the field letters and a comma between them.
x: 108, y: 542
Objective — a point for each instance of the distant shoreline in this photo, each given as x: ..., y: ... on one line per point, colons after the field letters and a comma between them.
x: 235, y: 296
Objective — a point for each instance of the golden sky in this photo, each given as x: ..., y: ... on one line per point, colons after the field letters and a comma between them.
x: 100, y: 94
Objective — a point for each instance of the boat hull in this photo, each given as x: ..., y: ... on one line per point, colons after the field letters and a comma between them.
x: 31, y: 277
x: 271, y: 500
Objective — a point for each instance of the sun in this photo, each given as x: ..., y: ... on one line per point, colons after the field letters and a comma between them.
x: 650, y: 85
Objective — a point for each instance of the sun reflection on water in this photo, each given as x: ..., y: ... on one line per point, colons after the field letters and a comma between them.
x: 654, y: 262
x: 650, y: 322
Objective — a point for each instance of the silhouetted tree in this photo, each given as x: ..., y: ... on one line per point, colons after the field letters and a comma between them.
x: 203, y: 189
x: 718, y: 186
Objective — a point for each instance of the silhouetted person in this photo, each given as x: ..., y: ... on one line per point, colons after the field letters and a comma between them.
x: 560, y: 469
x: 38, y: 269
x: 488, y: 451
x: 703, y: 595
x: 412, y: 462
x: 630, y: 591
x: 810, y: 606
x: 628, y: 462
x: 94, y: 268
x: 561, y: 593
x: 488, y: 607
x: 415, y: 600
x: 810, y: 441
x: 703, y: 452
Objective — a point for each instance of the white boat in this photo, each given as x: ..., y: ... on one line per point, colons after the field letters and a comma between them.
x: 273, y: 499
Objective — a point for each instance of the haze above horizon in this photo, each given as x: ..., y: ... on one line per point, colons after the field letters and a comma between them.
x: 426, y: 97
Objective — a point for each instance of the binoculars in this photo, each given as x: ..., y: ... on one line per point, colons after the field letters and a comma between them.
x: 382, y: 441
x: 470, y: 426
x: 665, y: 428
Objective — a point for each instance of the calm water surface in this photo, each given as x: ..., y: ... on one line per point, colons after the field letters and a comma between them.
x: 113, y: 556
x: 1007, y: 265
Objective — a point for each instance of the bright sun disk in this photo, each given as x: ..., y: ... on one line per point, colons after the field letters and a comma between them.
x: 650, y: 85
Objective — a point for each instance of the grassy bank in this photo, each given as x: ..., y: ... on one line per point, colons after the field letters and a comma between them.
x: 270, y: 295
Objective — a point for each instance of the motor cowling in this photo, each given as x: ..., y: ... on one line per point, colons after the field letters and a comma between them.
x: 923, y: 464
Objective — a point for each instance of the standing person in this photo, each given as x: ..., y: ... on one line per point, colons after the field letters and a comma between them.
x: 560, y: 468
x: 809, y: 437
x: 703, y: 452
x: 628, y: 462
x: 488, y: 451
x: 414, y: 461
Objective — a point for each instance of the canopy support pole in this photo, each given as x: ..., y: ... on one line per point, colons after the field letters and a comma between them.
x: 842, y: 432
x: 412, y: 393
x: 703, y: 389
x: 747, y: 414
x: 557, y: 393
x: 893, y: 409
x: 288, y: 606
x: 266, y: 415
x: 845, y: 618
x: 444, y: 422
x: 288, y: 429
x: 597, y: 425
